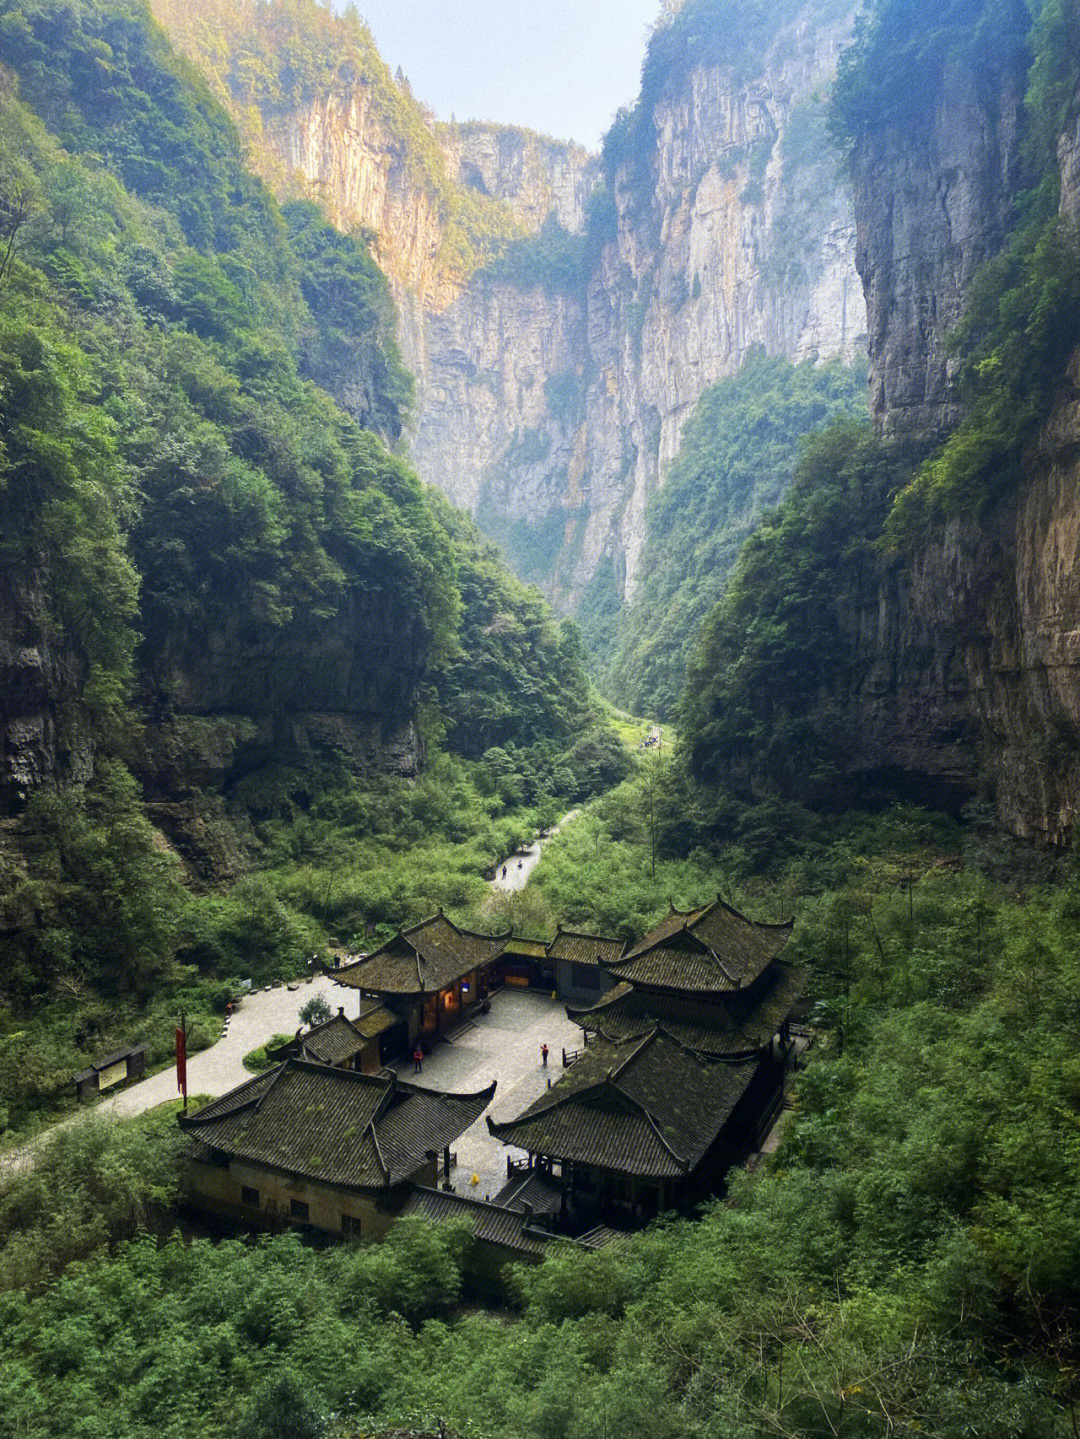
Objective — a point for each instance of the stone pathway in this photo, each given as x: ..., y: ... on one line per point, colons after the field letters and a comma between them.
x: 213, y: 1071
x: 521, y: 865
x: 505, y: 1046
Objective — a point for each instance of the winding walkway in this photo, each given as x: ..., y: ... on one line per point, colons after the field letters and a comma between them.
x: 512, y: 875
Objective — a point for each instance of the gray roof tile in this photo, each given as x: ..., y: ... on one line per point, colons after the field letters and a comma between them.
x: 646, y: 1106
x: 362, y: 1131
x: 704, y: 951
x: 422, y: 960
x: 731, y: 1025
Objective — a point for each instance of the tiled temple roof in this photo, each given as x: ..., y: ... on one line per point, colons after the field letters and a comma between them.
x: 333, y: 1125
x: 647, y: 1107
x: 520, y: 948
x: 704, y: 952
x: 338, y: 1040
x: 422, y: 960
x: 585, y: 948
x: 542, y: 1193
x: 492, y: 1223
x: 737, y: 1024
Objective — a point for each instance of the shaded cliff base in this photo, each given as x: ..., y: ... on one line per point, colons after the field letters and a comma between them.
x: 839, y: 672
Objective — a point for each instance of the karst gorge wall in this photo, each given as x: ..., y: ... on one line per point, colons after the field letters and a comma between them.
x: 965, y: 656
x: 718, y: 222
x: 550, y: 408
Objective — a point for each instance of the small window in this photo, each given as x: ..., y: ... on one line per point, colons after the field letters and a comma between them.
x: 350, y: 1226
x: 298, y: 1208
x: 249, y: 1196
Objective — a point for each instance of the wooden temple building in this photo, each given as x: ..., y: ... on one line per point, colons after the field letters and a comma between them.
x: 682, y: 1069
x: 571, y: 965
x: 685, y: 1041
x: 429, y: 977
x: 365, y: 1043
x: 322, y: 1147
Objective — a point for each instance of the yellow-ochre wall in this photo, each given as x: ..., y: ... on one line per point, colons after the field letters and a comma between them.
x: 218, y: 1189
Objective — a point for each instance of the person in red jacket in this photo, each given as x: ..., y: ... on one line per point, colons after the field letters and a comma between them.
x: 544, y: 1054
x: 418, y: 1060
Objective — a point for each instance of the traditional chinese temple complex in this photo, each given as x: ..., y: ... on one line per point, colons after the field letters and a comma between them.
x: 684, y: 1043
x: 685, y: 1066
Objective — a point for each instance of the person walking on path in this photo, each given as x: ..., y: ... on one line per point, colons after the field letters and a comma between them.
x: 418, y: 1060
x: 544, y: 1054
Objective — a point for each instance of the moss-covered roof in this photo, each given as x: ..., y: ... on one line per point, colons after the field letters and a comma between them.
x: 356, y: 1130
x: 732, y: 1025
x: 709, y: 951
x: 585, y: 948
x: 647, y: 1107
x: 422, y: 960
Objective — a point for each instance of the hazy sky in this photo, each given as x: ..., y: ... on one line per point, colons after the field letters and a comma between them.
x: 560, y: 66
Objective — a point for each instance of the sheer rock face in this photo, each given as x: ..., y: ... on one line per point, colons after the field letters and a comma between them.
x: 562, y: 406
x: 966, y: 660
x: 339, y: 149
x: 539, y: 178
x: 933, y: 201
x: 565, y: 409
x: 219, y: 703
x: 44, y: 740
x: 347, y: 682
x: 1069, y: 160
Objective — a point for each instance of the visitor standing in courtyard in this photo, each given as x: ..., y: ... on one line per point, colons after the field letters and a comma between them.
x: 418, y: 1060
x: 544, y: 1054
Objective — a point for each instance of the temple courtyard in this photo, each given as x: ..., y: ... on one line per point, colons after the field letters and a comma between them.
x: 503, y: 1045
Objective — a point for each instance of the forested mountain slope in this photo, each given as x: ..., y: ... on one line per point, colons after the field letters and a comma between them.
x: 173, y: 341
x: 736, y: 459
x: 225, y: 603
x: 907, y: 620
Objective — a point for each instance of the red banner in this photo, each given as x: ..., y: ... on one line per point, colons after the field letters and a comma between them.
x: 181, y: 1063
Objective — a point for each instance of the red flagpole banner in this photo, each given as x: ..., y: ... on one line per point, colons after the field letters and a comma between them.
x: 181, y: 1063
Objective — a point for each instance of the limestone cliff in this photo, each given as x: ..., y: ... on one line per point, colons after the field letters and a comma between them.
x: 550, y: 403
x: 43, y: 737
x: 553, y: 410
x: 538, y: 177
x: 965, y: 667
x: 934, y: 199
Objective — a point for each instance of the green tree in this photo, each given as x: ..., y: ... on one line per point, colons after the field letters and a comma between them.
x: 281, y: 1408
x: 315, y: 1011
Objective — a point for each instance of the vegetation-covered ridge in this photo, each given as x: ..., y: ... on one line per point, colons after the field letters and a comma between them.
x: 222, y: 597
x: 737, y: 458
x: 1021, y: 319
x: 270, y: 60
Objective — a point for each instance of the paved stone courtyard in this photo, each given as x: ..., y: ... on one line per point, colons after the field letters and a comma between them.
x: 505, y: 1046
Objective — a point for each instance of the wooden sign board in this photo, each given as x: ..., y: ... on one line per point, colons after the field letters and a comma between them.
x: 115, y: 1074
